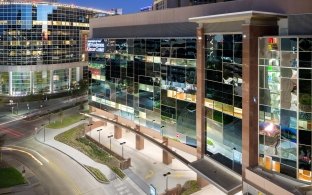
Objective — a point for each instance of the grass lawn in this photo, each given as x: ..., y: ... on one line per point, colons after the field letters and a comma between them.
x: 10, y: 177
x: 73, y: 138
x: 66, y: 121
x: 98, y: 174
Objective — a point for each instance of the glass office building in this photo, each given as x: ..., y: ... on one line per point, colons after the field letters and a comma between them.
x: 230, y: 78
x: 285, y: 91
x: 42, y: 47
x: 223, y: 97
x: 151, y: 81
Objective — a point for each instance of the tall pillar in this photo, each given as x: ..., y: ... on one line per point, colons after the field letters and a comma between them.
x: 201, y: 181
x: 167, y: 158
x: 117, y: 132
x: 139, y: 141
x: 10, y: 83
x: 200, y: 93
x: 251, y: 32
x: 51, y: 81
x: 69, y: 77
x: 31, y: 83
x: 78, y: 74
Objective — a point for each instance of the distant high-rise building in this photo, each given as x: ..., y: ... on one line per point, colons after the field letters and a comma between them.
x: 32, y: 1
x: 165, y: 4
x: 42, y: 46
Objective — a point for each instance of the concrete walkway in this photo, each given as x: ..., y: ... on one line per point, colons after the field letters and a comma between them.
x: 125, y: 186
x: 146, y: 165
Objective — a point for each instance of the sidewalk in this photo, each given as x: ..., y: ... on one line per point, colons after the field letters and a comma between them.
x: 146, y: 164
x: 31, y: 180
x: 82, y: 159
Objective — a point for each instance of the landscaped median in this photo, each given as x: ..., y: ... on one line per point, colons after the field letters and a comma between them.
x: 74, y: 138
x: 97, y: 174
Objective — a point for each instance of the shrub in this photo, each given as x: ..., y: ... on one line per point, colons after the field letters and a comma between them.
x: 190, y: 187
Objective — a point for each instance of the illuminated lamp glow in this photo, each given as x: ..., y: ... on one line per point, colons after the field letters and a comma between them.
x: 270, y: 128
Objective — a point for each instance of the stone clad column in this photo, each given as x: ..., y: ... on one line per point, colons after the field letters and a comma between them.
x: 200, y: 98
x: 200, y: 93
x: 139, y: 141
x: 167, y: 158
x: 117, y: 132
x: 251, y: 32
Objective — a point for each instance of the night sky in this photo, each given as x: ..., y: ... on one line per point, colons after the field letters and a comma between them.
x: 128, y: 6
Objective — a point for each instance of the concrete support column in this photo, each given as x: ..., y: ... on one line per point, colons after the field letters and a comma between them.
x: 69, y: 77
x: 51, y: 81
x: 167, y: 158
x: 31, y: 83
x: 251, y: 32
x: 10, y: 83
x: 139, y: 141
x: 117, y: 132
x: 201, y: 181
x: 78, y: 74
x: 200, y: 93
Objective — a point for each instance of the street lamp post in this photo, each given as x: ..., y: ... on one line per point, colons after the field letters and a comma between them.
x: 49, y: 115
x: 162, y: 130
x: 110, y: 142
x: 166, y: 175
x: 99, y: 130
x: 233, y: 162
x: 43, y: 125
x: 90, y: 128
x: 122, y: 143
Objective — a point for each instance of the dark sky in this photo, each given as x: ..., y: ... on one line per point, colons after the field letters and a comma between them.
x: 128, y: 6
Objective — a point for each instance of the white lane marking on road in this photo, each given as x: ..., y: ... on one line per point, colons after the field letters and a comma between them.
x: 22, y: 151
x: 32, y: 151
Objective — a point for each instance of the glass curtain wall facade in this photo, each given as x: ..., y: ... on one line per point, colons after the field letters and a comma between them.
x: 285, y: 107
x: 223, y: 98
x: 39, y: 35
x: 150, y: 81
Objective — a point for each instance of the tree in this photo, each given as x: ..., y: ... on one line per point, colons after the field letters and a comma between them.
x: 83, y: 86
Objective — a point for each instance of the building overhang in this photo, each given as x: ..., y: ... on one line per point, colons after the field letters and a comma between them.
x: 237, y: 16
x: 220, y: 176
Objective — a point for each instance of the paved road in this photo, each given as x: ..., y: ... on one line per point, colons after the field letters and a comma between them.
x: 15, y: 128
x: 59, y: 174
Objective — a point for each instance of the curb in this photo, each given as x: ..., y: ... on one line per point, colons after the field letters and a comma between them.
x: 104, y: 182
x: 83, y: 166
